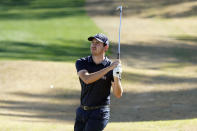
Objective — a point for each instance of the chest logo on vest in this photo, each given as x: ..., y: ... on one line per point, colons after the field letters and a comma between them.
x: 104, y: 77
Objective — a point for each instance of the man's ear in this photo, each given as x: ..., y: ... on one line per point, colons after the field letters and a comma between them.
x: 106, y: 47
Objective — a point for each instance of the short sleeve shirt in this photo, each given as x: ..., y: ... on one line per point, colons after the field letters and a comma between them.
x: 98, y: 92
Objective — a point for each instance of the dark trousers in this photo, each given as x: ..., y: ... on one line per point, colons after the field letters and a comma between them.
x: 91, y: 120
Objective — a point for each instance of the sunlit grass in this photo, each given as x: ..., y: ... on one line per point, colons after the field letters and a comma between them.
x: 42, y: 30
x: 170, y: 125
x: 46, y: 31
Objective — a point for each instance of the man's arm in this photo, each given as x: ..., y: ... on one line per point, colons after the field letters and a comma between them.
x: 117, y: 87
x: 92, y: 77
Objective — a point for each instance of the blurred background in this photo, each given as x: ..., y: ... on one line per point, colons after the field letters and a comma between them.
x: 40, y: 40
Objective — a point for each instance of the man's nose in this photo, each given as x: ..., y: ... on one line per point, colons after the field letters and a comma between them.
x: 93, y: 44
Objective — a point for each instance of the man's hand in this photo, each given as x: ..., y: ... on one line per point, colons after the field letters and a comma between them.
x: 116, y: 85
x: 117, y: 71
x: 114, y: 64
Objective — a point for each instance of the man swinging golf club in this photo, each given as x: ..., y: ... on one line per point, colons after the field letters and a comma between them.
x: 97, y: 74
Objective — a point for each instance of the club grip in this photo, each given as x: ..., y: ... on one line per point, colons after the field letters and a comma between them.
x: 118, y: 56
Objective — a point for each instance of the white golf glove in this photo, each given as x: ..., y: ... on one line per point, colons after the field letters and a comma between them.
x: 117, y: 71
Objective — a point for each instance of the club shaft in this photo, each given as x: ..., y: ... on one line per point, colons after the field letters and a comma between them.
x: 119, y: 33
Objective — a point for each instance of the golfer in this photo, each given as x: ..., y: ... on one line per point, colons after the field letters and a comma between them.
x: 97, y: 74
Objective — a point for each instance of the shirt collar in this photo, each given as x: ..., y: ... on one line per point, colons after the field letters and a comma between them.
x: 104, y: 62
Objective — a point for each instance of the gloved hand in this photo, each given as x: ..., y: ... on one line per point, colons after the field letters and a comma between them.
x: 117, y: 71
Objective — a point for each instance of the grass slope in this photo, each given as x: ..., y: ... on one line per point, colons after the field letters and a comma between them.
x: 159, y: 76
x: 176, y: 125
x: 44, y: 30
x: 158, y: 49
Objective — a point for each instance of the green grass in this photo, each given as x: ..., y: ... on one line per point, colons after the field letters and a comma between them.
x: 47, y: 30
x: 170, y: 125
x: 44, y: 30
x: 187, y: 38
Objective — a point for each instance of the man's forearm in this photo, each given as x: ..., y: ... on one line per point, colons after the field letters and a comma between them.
x: 117, y: 89
x: 92, y: 77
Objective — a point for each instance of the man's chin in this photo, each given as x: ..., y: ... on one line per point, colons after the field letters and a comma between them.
x: 93, y: 52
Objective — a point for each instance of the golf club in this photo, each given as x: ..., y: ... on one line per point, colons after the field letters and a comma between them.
x: 119, y: 8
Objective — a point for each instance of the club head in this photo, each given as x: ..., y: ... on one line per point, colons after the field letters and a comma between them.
x: 119, y: 8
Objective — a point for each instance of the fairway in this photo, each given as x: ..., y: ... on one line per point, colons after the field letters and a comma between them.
x: 158, y: 50
x: 40, y: 41
x: 42, y: 30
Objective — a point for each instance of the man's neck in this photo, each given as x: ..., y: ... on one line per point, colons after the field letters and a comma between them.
x: 98, y: 58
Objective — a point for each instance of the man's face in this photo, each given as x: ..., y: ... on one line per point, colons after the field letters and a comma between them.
x: 97, y: 47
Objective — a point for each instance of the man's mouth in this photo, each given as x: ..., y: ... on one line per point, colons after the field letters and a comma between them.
x: 93, y: 48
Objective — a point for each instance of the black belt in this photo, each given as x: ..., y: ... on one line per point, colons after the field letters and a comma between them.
x: 93, y: 107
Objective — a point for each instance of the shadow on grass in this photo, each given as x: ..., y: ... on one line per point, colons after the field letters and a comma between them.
x: 47, y: 9
x: 69, y: 51
x: 187, y: 38
x: 26, y: 4
x: 162, y: 52
x: 42, y: 14
x: 156, y: 80
x: 150, y: 106
x: 39, y: 9
x: 191, y: 12
x: 39, y: 108
x: 136, y: 8
x: 153, y: 106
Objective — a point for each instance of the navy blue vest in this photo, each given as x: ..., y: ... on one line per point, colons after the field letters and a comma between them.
x: 98, y: 92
